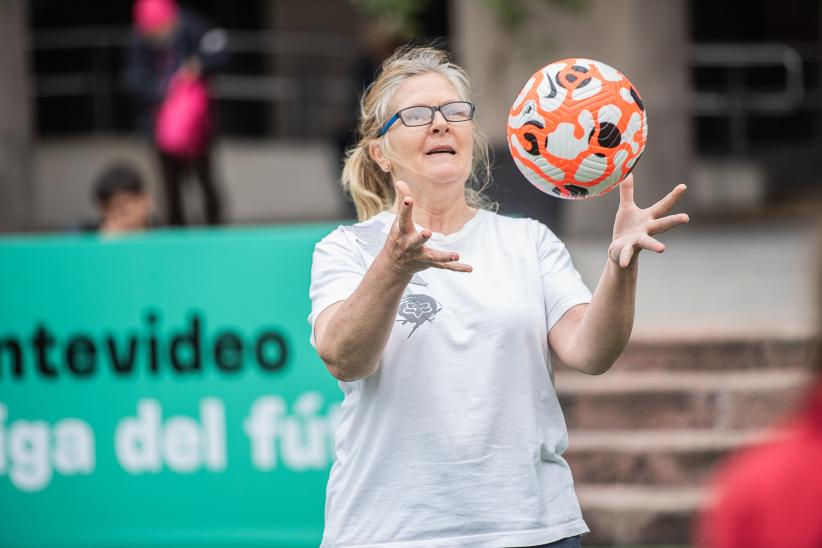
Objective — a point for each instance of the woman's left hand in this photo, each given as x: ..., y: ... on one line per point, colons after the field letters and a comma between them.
x: 634, y: 228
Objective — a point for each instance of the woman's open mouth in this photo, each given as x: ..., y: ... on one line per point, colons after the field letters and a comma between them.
x: 442, y: 149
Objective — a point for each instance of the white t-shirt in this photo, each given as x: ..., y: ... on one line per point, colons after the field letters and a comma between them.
x: 457, y: 439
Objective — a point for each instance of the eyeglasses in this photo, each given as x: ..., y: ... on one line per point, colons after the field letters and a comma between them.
x: 457, y: 111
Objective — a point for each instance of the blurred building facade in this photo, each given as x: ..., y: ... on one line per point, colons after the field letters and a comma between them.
x: 735, y: 111
x: 733, y: 107
x: 16, y: 207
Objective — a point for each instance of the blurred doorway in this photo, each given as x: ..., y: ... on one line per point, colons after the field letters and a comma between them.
x: 756, y: 74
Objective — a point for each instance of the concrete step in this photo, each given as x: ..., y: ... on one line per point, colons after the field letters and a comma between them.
x: 630, y: 515
x: 731, y: 400
x: 646, y: 437
x: 700, y: 351
x: 651, y: 457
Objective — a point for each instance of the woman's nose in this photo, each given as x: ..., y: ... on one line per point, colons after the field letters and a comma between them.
x: 439, y: 123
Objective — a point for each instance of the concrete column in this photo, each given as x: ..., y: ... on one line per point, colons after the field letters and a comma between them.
x: 15, y: 118
x: 323, y: 18
x: 647, y: 40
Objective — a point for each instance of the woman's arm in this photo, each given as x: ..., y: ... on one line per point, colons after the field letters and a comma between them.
x: 591, y: 337
x: 351, y: 335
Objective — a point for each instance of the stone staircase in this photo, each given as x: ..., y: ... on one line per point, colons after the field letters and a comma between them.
x: 646, y: 436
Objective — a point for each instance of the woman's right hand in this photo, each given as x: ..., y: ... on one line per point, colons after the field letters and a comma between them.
x: 405, y: 249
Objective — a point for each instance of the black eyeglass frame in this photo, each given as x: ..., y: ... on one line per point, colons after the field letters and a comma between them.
x: 398, y: 115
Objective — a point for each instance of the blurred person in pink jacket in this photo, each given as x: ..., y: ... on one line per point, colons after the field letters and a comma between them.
x: 170, y: 45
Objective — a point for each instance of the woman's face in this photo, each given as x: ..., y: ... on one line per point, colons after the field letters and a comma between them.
x: 439, y: 152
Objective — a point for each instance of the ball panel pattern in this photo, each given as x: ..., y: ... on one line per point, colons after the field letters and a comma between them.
x: 577, y: 128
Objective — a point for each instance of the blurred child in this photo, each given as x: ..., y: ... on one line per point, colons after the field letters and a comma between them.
x: 123, y: 203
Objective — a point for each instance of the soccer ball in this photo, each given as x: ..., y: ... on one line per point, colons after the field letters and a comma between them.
x: 577, y: 128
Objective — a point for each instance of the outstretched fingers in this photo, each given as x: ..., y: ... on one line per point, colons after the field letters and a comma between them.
x: 405, y: 218
x: 651, y: 244
x: 623, y: 251
x: 625, y: 256
x: 447, y: 260
x: 626, y: 191
x: 456, y: 267
x: 419, y: 239
x: 666, y: 223
x: 667, y: 203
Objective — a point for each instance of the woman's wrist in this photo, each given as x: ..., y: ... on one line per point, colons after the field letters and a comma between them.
x: 391, y: 267
x: 389, y: 271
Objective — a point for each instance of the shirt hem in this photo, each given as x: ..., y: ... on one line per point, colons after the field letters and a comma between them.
x: 489, y: 540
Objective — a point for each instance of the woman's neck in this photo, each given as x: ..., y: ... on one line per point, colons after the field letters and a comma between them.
x: 443, y: 219
x: 441, y: 213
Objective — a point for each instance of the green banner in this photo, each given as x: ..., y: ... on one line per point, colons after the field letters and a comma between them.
x: 159, y: 390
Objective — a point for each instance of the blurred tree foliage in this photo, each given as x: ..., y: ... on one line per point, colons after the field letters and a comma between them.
x: 512, y: 13
x: 402, y: 16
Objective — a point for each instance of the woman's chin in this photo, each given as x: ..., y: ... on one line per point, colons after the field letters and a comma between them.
x: 447, y: 174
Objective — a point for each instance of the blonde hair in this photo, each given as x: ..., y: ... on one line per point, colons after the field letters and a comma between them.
x: 370, y: 187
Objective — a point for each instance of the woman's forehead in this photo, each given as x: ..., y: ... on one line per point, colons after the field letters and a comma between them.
x: 426, y: 89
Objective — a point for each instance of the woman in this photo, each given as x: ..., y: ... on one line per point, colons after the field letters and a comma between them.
x: 437, y: 316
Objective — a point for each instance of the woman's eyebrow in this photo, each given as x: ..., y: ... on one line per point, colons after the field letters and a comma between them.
x: 434, y: 104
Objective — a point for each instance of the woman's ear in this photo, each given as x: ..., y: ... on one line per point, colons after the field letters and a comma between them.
x: 375, y: 151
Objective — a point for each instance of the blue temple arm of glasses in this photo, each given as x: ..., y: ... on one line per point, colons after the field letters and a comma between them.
x: 387, y: 125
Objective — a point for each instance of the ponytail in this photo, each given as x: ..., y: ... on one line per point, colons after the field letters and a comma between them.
x: 368, y: 185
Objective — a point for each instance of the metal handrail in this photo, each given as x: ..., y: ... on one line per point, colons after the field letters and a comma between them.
x: 292, y: 43
x: 737, y: 101
x: 305, y: 93
x: 735, y: 57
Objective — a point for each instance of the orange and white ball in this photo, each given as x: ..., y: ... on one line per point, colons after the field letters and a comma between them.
x: 577, y: 128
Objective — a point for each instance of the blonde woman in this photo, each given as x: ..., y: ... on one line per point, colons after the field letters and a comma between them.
x: 438, y: 317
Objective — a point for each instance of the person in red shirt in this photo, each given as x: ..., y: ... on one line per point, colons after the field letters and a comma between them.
x: 770, y: 495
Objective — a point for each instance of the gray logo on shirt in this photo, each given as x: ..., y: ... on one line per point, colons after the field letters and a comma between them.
x: 417, y: 309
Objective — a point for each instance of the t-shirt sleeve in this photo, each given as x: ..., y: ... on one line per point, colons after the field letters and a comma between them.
x: 562, y: 285
x: 336, y: 271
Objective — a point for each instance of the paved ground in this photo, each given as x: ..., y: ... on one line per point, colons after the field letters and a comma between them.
x: 719, y: 278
